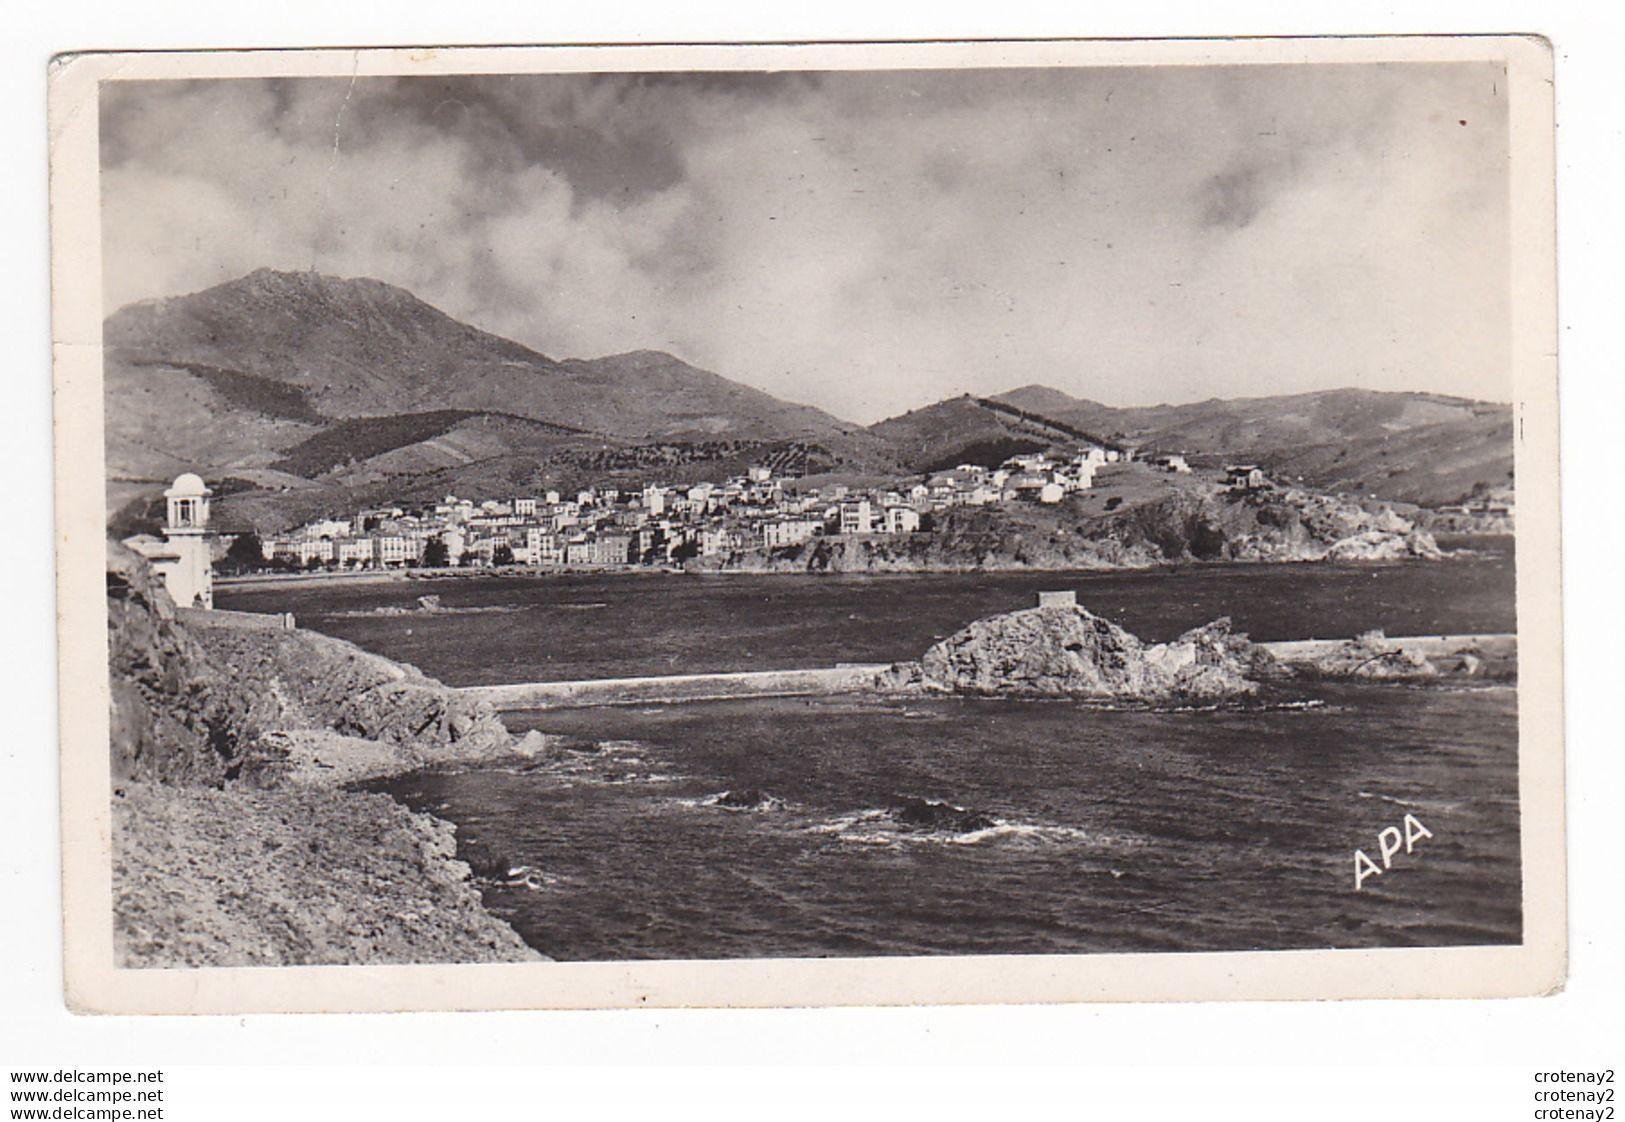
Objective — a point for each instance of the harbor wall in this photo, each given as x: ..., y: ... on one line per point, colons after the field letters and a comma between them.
x: 678, y: 687
x: 857, y: 677
x: 237, y: 621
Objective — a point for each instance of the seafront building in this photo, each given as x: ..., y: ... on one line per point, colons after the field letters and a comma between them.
x: 182, y: 558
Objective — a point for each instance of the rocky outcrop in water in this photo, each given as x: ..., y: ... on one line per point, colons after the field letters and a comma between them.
x: 941, y: 817
x: 1377, y: 545
x: 1214, y: 661
x: 747, y: 798
x: 1071, y: 652
x: 1373, y: 656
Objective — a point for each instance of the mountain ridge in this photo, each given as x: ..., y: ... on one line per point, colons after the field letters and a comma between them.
x: 356, y: 346
x: 303, y: 384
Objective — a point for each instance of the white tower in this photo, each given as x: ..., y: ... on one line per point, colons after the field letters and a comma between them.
x: 188, y: 573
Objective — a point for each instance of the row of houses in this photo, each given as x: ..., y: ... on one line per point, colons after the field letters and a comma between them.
x: 612, y: 525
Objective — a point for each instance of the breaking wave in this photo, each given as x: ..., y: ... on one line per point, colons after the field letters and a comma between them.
x: 741, y: 801
x: 927, y: 821
x: 529, y: 876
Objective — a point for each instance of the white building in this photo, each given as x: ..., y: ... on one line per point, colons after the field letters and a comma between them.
x: 902, y: 520
x: 778, y: 533
x: 542, y: 548
x: 1028, y: 462
x: 525, y: 508
x: 302, y: 551
x: 391, y: 549
x: 857, y: 517
x: 181, y: 560
x: 456, y: 543
x: 327, y: 528
x: 354, y: 551
x: 716, y: 540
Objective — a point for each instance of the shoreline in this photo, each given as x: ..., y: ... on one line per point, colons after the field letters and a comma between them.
x: 241, y: 836
x: 259, y: 582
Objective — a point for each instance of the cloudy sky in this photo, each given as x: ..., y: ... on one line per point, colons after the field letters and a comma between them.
x: 870, y: 241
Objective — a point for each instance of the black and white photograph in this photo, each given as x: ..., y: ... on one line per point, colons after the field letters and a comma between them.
x: 1035, y: 507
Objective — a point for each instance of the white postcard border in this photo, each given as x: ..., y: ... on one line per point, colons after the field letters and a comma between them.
x: 95, y: 985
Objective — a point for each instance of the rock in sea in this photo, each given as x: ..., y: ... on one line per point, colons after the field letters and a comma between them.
x: 748, y: 798
x: 1068, y: 651
x: 1373, y: 656
x: 929, y: 814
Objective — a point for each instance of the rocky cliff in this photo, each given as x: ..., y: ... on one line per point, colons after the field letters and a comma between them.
x: 1288, y: 524
x: 234, y: 842
x: 174, y: 719
x: 1071, y: 652
x: 306, y: 689
x: 1173, y: 525
x: 243, y: 877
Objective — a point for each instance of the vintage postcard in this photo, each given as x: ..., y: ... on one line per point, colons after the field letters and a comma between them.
x: 798, y: 525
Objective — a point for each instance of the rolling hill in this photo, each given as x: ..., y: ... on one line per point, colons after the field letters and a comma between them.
x: 1424, y: 448
x: 972, y: 430
x: 303, y: 383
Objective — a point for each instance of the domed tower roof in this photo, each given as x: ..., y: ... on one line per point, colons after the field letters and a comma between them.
x: 187, y: 485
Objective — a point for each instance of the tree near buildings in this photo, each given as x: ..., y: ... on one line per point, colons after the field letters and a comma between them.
x: 245, y: 554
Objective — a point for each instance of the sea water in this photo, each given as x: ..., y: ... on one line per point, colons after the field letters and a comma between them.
x: 500, y: 629
x: 1088, y: 828
x: 784, y: 826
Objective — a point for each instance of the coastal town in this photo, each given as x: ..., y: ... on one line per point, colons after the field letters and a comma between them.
x: 614, y: 525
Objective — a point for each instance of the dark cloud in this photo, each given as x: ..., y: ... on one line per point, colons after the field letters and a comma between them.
x: 614, y: 137
x: 867, y: 241
x: 1233, y: 198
